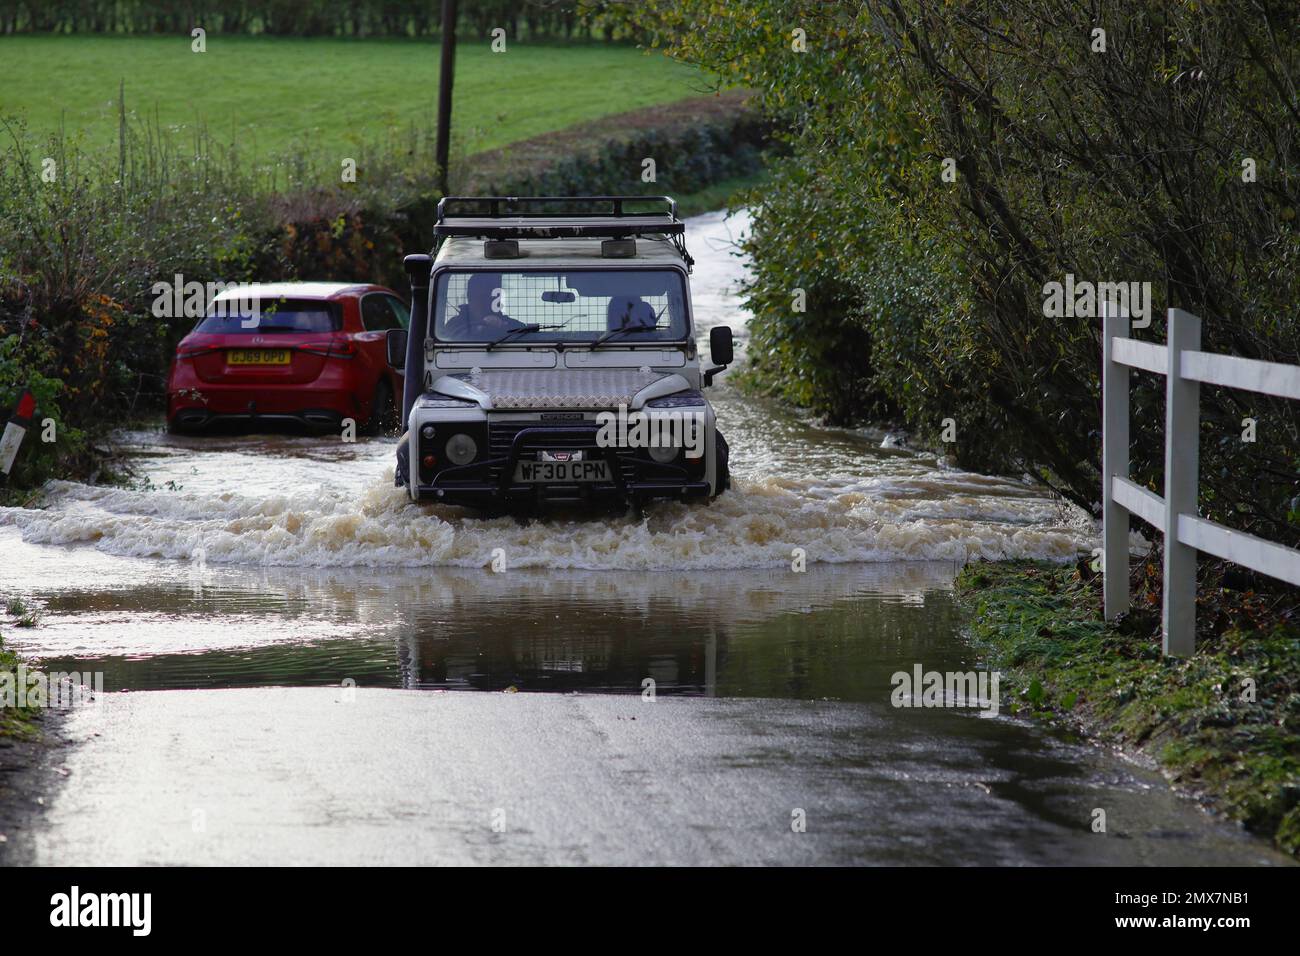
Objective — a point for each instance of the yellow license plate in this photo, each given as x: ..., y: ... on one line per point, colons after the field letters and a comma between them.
x: 257, y: 357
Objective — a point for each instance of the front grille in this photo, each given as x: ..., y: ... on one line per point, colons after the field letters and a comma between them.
x: 501, y: 436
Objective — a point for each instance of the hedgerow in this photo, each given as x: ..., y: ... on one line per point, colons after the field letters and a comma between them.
x: 948, y: 161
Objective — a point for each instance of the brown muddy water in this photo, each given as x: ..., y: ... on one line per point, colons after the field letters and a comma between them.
x: 292, y: 562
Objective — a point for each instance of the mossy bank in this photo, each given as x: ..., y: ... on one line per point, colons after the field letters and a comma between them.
x: 1223, y: 725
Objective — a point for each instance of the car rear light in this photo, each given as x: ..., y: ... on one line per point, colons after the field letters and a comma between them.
x: 190, y: 351
x: 339, y: 349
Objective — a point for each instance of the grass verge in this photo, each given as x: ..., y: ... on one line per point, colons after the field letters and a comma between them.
x: 15, y: 722
x: 1223, y: 725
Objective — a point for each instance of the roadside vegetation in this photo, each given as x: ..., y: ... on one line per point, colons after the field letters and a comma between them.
x: 1224, y: 725
x: 946, y: 162
x: 15, y: 722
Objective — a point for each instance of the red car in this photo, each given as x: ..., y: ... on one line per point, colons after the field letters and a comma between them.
x: 307, y: 352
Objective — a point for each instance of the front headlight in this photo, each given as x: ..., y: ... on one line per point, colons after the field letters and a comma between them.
x: 461, y: 449
x: 664, y: 456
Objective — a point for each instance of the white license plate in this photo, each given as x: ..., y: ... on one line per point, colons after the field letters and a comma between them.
x: 561, y: 472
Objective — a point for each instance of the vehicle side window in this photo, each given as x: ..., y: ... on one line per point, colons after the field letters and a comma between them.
x: 376, y: 316
x: 401, y: 311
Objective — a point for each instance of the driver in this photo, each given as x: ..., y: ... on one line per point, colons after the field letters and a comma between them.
x: 477, y: 319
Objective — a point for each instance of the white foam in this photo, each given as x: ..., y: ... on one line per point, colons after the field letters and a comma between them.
x: 756, y: 524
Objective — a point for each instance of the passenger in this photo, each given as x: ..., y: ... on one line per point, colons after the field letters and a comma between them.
x: 630, y: 312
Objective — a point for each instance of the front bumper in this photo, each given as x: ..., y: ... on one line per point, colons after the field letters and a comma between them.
x: 490, y: 482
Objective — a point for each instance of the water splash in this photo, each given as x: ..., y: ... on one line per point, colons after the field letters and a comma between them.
x: 759, y: 523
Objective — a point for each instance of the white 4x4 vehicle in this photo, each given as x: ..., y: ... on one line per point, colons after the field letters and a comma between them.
x: 551, y: 357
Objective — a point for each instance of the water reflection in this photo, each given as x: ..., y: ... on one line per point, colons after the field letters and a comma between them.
x: 833, y: 632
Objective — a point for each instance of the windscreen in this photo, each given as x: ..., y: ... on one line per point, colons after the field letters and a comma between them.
x: 641, y: 305
x: 226, y: 317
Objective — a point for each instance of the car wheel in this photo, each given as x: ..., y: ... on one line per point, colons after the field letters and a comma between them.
x: 402, y: 472
x: 383, y: 416
x: 722, y: 463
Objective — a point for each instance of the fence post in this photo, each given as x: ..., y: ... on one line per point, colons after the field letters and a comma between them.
x: 1182, y: 472
x: 1114, y: 461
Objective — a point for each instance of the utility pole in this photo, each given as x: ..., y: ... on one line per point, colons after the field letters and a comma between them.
x: 448, y: 69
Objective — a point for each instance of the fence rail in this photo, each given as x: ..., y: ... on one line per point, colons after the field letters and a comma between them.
x: 1175, y: 514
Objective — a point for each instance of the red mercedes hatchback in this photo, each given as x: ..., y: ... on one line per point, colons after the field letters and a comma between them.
x: 307, y: 352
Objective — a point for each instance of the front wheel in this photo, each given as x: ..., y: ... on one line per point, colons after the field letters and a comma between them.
x: 721, y: 463
x: 383, y: 416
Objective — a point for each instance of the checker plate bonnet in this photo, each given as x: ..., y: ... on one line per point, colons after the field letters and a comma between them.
x: 571, y: 388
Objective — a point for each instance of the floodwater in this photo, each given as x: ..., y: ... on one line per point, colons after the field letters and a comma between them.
x: 291, y: 562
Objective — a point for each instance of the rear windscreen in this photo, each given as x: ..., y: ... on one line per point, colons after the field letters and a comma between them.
x: 227, y: 317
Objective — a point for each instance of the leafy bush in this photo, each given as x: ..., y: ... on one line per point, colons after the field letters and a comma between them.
x: 925, y: 292
x: 20, y: 363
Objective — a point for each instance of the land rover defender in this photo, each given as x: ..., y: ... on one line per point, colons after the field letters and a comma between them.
x: 551, y: 357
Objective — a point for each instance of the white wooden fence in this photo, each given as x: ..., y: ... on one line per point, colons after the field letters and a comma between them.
x: 1176, y: 515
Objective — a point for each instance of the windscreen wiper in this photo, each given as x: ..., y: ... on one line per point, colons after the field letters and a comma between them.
x: 520, y: 330
x: 615, y: 333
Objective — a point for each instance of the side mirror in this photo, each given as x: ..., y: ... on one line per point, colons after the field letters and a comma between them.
x: 720, y: 351
x: 720, y: 345
x: 396, y: 342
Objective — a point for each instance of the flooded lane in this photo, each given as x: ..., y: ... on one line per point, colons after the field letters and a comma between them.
x: 320, y: 502
x: 247, y: 582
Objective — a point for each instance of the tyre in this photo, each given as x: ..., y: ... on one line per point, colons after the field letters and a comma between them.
x: 722, y: 463
x: 402, y: 472
x: 383, y: 416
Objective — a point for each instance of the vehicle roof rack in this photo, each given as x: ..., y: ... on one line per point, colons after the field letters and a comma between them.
x: 559, y: 217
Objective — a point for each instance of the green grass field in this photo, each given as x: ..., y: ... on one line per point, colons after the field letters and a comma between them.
x: 272, y: 96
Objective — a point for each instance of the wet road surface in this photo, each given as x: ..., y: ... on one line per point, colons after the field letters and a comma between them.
x: 332, y: 776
